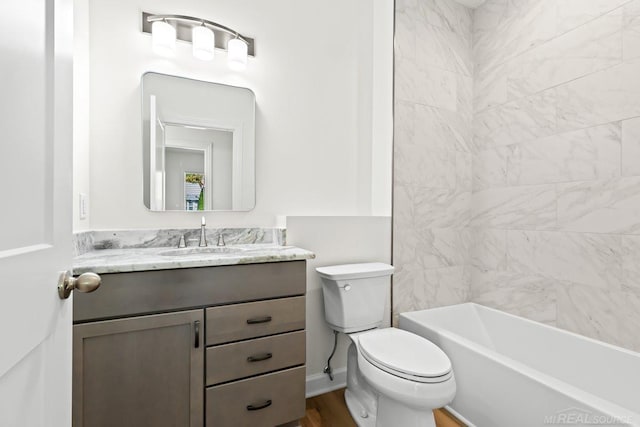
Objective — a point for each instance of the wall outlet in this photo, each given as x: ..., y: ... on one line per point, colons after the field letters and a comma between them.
x: 83, y: 205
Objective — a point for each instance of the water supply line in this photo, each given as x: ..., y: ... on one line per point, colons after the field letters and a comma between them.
x: 327, y: 369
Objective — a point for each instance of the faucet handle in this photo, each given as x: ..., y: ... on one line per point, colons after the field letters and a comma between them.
x: 182, y: 243
x: 221, y: 240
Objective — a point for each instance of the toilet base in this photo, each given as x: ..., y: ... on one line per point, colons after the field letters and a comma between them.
x: 389, y: 414
x: 392, y: 413
x: 360, y: 398
x: 358, y: 411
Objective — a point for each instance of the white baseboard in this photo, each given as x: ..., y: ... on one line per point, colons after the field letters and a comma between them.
x: 320, y: 383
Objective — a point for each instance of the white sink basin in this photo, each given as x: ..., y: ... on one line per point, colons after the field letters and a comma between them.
x: 201, y: 251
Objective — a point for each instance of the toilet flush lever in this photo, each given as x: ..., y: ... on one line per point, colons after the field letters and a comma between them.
x: 347, y: 287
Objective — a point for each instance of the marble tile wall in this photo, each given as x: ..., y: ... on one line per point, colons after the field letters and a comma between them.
x: 517, y: 160
x: 433, y: 154
x: 555, y: 204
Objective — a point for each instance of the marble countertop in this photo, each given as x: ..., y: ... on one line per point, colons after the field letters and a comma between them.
x: 104, y: 261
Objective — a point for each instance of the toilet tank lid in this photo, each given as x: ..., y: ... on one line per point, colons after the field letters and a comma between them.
x: 355, y: 271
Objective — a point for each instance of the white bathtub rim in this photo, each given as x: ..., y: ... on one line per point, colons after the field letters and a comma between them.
x: 585, y: 398
x: 588, y: 400
x: 547, y: 326
x: 533, y: 322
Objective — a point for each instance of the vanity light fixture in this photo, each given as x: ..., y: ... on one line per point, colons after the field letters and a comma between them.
x: 163, y: 38
x: 237, y: 54
x: 204, y: 34
x: 204, y: 41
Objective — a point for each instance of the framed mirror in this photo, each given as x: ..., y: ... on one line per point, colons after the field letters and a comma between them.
x: 198, y: 144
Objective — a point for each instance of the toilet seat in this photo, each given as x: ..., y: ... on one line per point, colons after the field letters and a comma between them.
x: 420, y: 392
x: 405, y: 355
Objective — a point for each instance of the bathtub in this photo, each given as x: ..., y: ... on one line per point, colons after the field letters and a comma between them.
x: 513, y: 372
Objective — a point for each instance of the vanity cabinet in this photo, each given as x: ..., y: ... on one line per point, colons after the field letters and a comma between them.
x: 266, y: 400
x: 255, y: 319
x: 210, y: 346
x: 257, y: 338
x: 140, y: 371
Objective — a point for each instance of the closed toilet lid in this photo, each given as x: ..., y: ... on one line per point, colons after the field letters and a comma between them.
x: 409, y: 355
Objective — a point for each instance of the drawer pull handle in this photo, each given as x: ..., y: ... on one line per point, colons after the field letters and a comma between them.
x: 259, y: 357
x: 196, y: 327
x: 256, y: 320
x: 258, y: 406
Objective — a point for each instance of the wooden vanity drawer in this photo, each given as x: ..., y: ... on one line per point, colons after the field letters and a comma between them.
x: 264, y: 401
x: 248, y: 358
x: 255, y: 319
x: 143, y: 292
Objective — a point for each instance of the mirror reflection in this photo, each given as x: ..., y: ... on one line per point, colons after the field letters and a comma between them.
x: 199, y: 145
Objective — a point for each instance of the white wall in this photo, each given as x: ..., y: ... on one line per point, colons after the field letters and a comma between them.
x: 314, y: 90
x: 222, y: 173
x: 381, y: 113
x: 335, y: 240
x: 323, y: 83
x: 81, y: 157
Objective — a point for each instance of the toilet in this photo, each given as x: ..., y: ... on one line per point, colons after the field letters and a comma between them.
x: 394, y: 378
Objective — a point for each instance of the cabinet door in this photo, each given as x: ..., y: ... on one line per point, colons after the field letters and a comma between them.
x: 141, y: 371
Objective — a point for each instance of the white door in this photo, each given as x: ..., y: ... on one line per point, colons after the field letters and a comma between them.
x: 35, y: 211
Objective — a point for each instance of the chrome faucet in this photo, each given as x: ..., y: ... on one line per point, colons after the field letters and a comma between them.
x: 203, y: 234
x: 221, y: 239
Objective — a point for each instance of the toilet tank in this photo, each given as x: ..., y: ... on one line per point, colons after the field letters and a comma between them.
x: 355, y: 295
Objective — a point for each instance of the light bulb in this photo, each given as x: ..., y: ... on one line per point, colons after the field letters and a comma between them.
x: 203, y: 42
x: 237, y: 54
x: 163, y: 38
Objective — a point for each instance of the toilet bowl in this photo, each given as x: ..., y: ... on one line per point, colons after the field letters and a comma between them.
x: 394, y: 377
x: 402, y: 378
